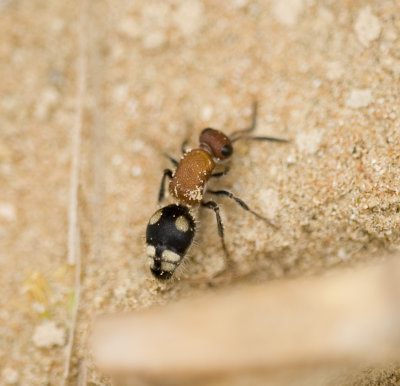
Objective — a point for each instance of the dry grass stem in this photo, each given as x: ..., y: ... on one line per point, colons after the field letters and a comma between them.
x: 74, y: 256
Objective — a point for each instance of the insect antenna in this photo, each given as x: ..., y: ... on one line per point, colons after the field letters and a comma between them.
x: 272, y: 139
x: 243, y: 134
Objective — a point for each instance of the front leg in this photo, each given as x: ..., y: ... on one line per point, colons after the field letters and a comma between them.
x: 221, y: 174
x: 183, y: 146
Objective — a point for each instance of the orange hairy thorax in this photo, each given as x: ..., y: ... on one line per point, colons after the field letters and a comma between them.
x: 191, y: 175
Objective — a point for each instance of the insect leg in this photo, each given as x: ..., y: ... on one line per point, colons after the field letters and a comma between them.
x: 220, y: 174
x: 167, y: 173
x: 173, y: 160
x: 214, y: 206
x: 241, y: 203
x: 183, y: 147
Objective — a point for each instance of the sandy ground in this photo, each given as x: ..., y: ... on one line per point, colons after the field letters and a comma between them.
x: 326, y: 75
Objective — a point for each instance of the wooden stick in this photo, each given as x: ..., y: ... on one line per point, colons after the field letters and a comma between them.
x: 346, y: 318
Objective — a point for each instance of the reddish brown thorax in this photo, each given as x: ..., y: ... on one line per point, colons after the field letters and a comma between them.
x: 195, y: 168
x: 191, y: 176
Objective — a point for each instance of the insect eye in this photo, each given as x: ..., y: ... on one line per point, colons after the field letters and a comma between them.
x: 227, y: 150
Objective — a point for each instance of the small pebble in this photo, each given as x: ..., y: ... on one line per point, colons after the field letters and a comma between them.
x: 7, y: 212
x: 117, y: 159
x: 121, y: 291
x: 287, y: 11
x: 48, y: 335
x: 238, y: 4
x: 188, y: 18
x: 154, y: 40
x: 367, y: 26
x: 136, y: 171
x: 359, y: 98
x: 207, y: 112
x: 10, y: 376
x: 47, y: 100
x: 269, y: 198
x: 308, y: 142
x: 129, y: 28
x: 137, y: 145
x: 334, y: 70
x: 120, y: 93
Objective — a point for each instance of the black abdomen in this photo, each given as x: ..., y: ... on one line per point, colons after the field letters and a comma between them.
x: 169, y: 234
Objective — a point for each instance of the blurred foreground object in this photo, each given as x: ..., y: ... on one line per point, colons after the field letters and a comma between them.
x: 347, y: 318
